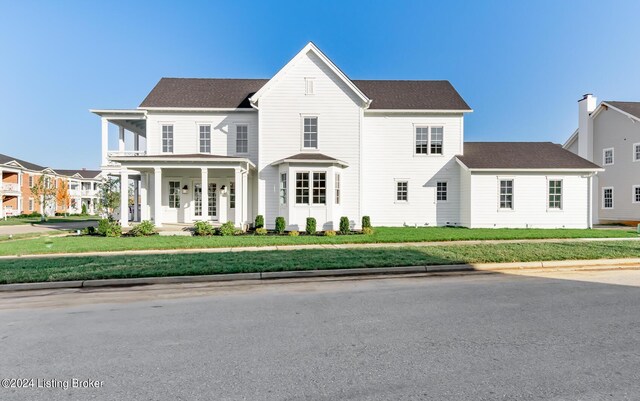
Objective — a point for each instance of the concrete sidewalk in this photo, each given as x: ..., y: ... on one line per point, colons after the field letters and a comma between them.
x: 598, y: 264
x: 44, y: 227
x: 311, y: 246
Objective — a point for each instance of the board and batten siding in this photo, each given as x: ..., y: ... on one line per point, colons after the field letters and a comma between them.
x: 389, y: 156
x: 186, y: 132
x: 282, y: 108
x: 530, y: 201
x: 612, y: 129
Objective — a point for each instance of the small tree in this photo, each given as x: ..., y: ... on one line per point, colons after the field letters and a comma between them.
x: 109, y: 196
x: 62, y: 196
x: 44, y: 190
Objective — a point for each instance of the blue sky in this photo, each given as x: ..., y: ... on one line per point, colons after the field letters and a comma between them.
x: 520, y: 65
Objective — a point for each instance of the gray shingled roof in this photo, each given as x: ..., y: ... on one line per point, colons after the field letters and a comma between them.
x: 83, y: 173
x: 235, y: 93
x: 4, y: 159
x: 311, y: 156
x: 521, y: 155
x: 632, y: 108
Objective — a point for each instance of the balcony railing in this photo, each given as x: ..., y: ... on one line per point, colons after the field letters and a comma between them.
x: 10, y: 187
x: 88, y: 192
x: 126, y: 153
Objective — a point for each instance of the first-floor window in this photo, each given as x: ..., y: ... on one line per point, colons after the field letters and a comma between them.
x: 441, y: 191
x: 30, y: 204
x: 636, y: 194
x: 302, y: 188
x: 283, y: 188
x: 506, y: 194
x: 337, y: 186
x: 174, y: 194
x: 607, y: 198
x: 205, y: 139
x: 319, y: 188
x: 232, y: 195
x: 402, y: 191
x: 555, y: 194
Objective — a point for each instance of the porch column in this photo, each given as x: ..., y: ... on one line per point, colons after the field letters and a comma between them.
x: 105, y: 140
x: 237, y: 180
x: 120, y: 140
x: 157, y: 196
x: 136, y: 142
x: 144, y: 200
x: 124, y: 198
x: 136, y: 195
x: 204, y: 182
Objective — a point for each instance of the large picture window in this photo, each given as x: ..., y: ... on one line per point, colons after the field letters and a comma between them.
x: 174, y: 194
x: 242, y: 139
x: 555, y: 194
x: 506, y: 194
x: 167, y: 138
x: 310, y: 132
x: 302, y: 188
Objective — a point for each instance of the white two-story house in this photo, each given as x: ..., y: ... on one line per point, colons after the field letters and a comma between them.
x: 609, y: 134
x: 310, y: 142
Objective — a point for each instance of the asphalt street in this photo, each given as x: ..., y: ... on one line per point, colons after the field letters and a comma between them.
x: 534, y: 336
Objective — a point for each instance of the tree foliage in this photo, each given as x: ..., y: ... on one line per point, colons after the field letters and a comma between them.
x: 63, y: 198
x: 44, y: 190
x: 109, y: 195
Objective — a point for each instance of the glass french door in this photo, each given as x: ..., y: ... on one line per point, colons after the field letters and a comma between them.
x: 197, y: 201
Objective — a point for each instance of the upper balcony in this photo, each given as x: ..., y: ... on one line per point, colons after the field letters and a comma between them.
x: 10, y: 187
x: 132, y: 134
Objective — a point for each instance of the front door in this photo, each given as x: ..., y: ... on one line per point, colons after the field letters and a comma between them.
x: 212, y: 213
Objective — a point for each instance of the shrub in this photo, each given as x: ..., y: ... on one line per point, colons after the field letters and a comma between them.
x: 293, y: 233
x: 59, y: 214
x: 91, y: 230
x: 203, y: 228
x: 329, y: 233
x: 345, y: 228
x: 109, y: 228
x: 261, y: 231
x: 227, y: 229
x: 367, y: 230
x: 84, y: 212
x: 311, y: 226
x: 280, y: 225
x: 144, y: 229
x: 366, y: 221
x: 259, y: 221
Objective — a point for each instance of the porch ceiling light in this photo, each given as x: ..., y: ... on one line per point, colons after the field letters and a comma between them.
x: 185, y: 189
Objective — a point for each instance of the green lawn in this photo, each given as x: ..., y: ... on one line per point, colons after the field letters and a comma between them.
x: 16, y: 221
x: 87, y: 268
x: 78, y: 244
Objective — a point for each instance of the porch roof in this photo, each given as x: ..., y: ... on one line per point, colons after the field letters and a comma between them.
x: 182, y: 158
x: 311, y: 158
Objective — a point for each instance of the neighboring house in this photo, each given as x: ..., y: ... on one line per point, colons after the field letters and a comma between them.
x: 609, y: 134
x: 310, y: 142
x: 18, y: 176
x: 83, y: 189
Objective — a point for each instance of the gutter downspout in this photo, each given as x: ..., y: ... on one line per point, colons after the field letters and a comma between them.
x: 590, y: 200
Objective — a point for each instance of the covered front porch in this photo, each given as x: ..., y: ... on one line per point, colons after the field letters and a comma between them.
x: 183, y: 189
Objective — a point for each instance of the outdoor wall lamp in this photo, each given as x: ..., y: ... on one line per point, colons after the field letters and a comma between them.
x: 185, y: 189
x: 222, y: 188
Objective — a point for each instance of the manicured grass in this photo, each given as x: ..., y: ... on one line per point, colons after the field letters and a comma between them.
x: 17, y: 221
x: 76, y: 244
x: 14, y: 237
x: 88, y: 268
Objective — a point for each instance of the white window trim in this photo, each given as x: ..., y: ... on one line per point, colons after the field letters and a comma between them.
x: 613, y: 157
x: 613, y: 204
x: 633, y: 155
x: 395, y: 190
x: 302, y: 147
x: 513, y: 195
x: 555, y: 209
x: 633, y: 193
x: 337, y: 188
x: 308, y: 80
x: 283, y: 201
x: 326, y: 188
x: 235, y: 127
x: 436, y: 192
x: 198, y: 125
x: 173, y: 142
x: 428, y: 127
x: 295, y: 188
x: 179, y: 181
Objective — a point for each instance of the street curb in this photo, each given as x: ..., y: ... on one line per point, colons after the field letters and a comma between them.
x: 610, y: 264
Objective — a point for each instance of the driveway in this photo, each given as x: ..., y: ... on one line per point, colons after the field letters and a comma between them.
x: 551, y: 336
x: 36, y: 228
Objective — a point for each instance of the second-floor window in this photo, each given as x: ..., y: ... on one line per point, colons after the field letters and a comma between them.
x: 167, y: 139
x: 607, y: 157
x: 636, y: 152
x: 242, y: 139
x: 30, y: 182
x: 429, y: 140
x: 205, y: 139
x: 310, y: 132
